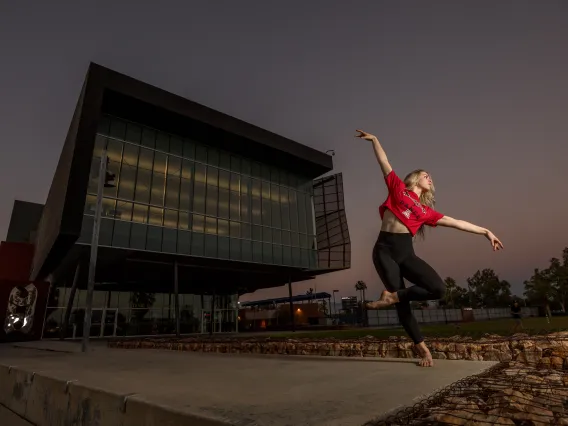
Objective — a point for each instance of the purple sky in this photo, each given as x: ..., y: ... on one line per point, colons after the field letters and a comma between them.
x: 476, y: 92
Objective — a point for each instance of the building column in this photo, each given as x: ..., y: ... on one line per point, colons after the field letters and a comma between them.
x: 69, y: 308
x: 176, y: 299
x: 291, y: 305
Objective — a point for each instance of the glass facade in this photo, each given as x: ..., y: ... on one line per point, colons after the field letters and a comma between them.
x: 122, y: 313
x: 175, y: 195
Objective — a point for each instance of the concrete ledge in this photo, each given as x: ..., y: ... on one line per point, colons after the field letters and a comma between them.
x: 48, y: 401
x: 15, y: 387
x: 142, y: 412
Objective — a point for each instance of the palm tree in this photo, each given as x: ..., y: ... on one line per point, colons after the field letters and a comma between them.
x: 360, y: 286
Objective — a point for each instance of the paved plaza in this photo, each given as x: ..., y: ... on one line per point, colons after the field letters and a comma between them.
x: 244, y: 389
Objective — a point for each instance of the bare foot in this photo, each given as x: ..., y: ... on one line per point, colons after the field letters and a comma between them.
x: 426, y: 357
x: 385, y: 300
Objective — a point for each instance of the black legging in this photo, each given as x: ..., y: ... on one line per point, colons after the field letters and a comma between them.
x: 394, y: 259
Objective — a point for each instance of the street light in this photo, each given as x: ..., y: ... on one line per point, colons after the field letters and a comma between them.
x: 105, y: 181
x: 334, y: 306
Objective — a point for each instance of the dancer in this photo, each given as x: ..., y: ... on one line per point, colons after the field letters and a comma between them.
x: 407, y: 209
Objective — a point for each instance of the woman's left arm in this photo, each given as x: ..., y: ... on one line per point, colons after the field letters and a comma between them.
x: 462, y: 225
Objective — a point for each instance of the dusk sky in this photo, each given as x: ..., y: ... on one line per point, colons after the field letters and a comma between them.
x: 476, y: 92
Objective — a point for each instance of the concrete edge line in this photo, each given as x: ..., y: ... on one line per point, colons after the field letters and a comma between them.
x: 341, y: 358
x: 13, y: 412
x: 301, y: 357
x: 164, y: 412
x: 41, y: 349
x: 142, y: 407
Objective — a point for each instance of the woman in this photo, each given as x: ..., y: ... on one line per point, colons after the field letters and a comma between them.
x: 407, y: 209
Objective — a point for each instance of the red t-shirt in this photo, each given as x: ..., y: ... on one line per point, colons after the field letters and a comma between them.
x: 406, y: 205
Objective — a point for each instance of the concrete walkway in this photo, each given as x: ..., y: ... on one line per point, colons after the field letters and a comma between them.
x: 244, y: 389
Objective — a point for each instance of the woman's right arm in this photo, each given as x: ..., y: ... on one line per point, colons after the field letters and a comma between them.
x: 379, y: 151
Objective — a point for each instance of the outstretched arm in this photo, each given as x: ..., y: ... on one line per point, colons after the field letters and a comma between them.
x: 379, y: 151
x: 462, y: 225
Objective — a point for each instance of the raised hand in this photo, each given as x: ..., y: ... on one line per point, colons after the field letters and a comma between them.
x: 365, y: 135
x: 495, y: 243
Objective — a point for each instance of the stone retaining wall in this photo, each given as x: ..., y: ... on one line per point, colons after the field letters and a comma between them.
x: 550, y: 350
x: 510, y: 393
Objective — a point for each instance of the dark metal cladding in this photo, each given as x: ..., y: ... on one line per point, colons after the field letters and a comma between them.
x: 24, y: 222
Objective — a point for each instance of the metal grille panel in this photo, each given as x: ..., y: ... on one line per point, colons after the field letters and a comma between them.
x: 332, y: 232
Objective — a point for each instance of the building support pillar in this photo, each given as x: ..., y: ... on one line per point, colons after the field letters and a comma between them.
x: 176, y: 299
x: 68, y: 309
x: 291, y: 304
x: 212, y: 314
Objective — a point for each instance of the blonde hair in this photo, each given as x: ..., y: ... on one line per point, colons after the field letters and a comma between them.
x: 426, y: 197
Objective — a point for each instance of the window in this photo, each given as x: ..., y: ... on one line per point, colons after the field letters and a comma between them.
x: 154, y: 238
x: 140, y: 213
x: 121, y: 234
x: 224, y: 203
x: 177, y: 196
x: 212, y: 194
x: 210, y: 245
x: 169, y: 241
x: 176, y: 146
x: 184, y: 242
x: 188, y: 149
x: 197, y: 242
x: 133, y: 133
x: 138, y: 236
x: 162, y: 142
x: 172, y: 192
x: 123, y: 211
x: 105, y: 232
x: 224, y: 247
x: 143, y: 182
x: 148, y: 138
x: 235, y: 247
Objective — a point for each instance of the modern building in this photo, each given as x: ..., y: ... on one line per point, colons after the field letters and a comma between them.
x: 349, y: 303
x: 275, y: 313
x: 193, y: 197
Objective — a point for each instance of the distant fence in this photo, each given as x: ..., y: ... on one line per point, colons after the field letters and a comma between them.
x: 390, y: 317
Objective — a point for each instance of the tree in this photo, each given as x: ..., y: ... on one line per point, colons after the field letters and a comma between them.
x: 360, y: 286
x: 538, y: 288
x: 323, y: 307
x: 456, y: 297
x: 488, y: 291
x: 141, y: 302
x: 557, y: 274
x: 141, y: 299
